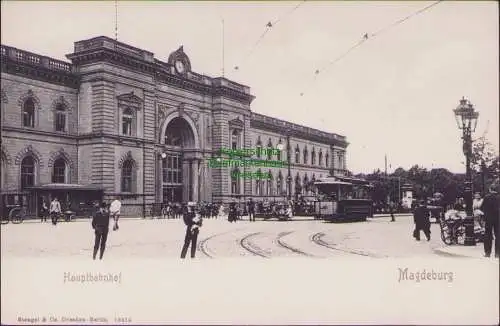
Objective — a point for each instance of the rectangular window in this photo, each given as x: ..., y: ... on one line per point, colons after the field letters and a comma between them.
x: 127, y: 126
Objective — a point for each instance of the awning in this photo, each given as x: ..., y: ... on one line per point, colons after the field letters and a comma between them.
x: 67, y: 186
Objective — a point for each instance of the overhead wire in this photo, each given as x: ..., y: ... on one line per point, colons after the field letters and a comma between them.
x: 365, y: 38
x: 269, y: 26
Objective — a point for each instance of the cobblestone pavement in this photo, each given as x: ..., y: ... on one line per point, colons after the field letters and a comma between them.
x: 220, y: 239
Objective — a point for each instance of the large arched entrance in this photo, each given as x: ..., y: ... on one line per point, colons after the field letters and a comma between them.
x: 176, y: 172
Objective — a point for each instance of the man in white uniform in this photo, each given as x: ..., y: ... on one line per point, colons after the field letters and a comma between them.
x: 114, y: 211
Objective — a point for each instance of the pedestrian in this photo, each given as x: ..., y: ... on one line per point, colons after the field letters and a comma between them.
x: 251, y: 210
x: 491, y: 215
x: 100, y: 224
x: 391, y: 211
x: 114, y: 210
x: 231, y: 216
x: 193, y: 223
x: 55, y: 210
x: 44, y: 210
x: 422, y: 222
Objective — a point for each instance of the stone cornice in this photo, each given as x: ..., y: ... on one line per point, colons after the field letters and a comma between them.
x: 27, y: 64
x: 260, y: 121
x: 108, y: 50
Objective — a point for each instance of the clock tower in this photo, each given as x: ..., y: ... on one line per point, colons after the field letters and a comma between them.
x: 180, y: 61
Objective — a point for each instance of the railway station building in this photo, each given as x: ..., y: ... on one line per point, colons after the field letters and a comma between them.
x: 117, y: 120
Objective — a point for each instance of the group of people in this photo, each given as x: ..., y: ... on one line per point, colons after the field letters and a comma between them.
x: 485, y: 212
x: 54, y: 210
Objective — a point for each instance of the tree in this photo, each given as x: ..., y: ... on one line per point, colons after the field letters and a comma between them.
x: 484, y: 163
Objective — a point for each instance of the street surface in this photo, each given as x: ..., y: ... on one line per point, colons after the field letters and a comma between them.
x: 263, y: 272
x: 161, y: 238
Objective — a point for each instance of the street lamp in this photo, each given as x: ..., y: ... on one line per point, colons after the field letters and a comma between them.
x: 466, y: 118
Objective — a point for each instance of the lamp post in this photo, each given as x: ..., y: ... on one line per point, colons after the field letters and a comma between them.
x: 466, y: 118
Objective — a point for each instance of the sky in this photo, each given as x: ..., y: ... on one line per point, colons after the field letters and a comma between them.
x: 393, y: 95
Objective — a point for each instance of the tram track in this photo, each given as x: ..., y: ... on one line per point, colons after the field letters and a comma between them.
x: 202, y: 245
x: 317, y: 239
x: 283, y: 244
x: 249, y: 246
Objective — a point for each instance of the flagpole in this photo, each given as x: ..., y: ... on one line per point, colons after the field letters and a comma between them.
x: 116, y: 20
x: 223, y: 50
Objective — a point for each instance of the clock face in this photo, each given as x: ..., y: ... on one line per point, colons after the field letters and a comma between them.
x: 179, y: 66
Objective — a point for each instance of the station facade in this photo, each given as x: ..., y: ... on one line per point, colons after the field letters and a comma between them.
x: 117, y: 118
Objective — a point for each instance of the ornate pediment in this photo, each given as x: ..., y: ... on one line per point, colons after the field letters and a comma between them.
x: 236, y: 123
x: 130, y: 99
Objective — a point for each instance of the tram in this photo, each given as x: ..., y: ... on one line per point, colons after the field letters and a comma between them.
x: 343, y: 199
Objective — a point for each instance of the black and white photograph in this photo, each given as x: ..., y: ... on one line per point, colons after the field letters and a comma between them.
x: 249, y: 162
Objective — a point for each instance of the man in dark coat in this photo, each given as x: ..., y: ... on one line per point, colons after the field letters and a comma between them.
x: 232, y: 212
x: 251, y: 210
x: 193, y: 224
x: 422, y: 222
x: 391, y: 211
x: 100, y: 223
x: 491, y: 216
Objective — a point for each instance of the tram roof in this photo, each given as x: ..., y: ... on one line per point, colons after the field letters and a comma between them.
x: 66, y: 186
x: 332, y: 181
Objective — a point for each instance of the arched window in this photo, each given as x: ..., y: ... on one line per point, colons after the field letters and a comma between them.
x: 313, y: 157
x: 297, y: 154
x: 269, y: 149
x: 3, y: 165
x: 127, y: 121
x: 258, y: 185
x: 278, y: 155
x: 259, y: 147
x: 313, y: 186
x: 59, y: 171
x: 297, y: 184
x: 306, y: 185
x: 235, y: 182
x: 327, y: 162
x: 320, y: 158
x: 279, y: 184
x: 27, y: 172
x: 128, y: 176
x: 305, y: 155
x: 235, y: 139
x: 269, y: 184
x: 29, y: 113
x: 60, y: 118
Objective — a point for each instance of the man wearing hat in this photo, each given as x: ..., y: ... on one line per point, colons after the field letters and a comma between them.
x: 491, y: 216
x: 251, y: 210
x: 100, y: 223
x: 193, y: 224
x: 422, y: 222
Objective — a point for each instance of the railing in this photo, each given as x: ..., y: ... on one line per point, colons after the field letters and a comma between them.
x: 35, y: 59
x: 294, y: 127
